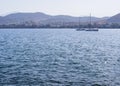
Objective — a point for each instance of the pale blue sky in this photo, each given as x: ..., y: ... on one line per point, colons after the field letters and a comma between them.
x: 98, y: 8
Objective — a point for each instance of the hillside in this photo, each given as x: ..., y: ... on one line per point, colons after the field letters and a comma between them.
x: 42, y: 18
x: 114, y: 19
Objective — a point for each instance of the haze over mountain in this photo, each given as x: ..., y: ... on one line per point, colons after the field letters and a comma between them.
x: 39, y: 17
x: 114, y: 19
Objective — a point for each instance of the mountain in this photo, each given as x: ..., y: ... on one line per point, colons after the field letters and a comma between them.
x: 41, y: 18
x: 23, y: 17
x: 114, y: 19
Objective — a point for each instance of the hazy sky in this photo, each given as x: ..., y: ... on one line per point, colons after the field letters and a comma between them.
x: 98, y: 8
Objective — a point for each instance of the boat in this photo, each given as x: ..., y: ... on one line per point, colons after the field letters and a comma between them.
x: 90, y: 28
x: 80, y: 29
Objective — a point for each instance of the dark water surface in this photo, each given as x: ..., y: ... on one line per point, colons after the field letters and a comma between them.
x: 59, y: 57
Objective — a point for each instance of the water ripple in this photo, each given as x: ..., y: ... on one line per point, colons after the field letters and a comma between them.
x: 59, y: 57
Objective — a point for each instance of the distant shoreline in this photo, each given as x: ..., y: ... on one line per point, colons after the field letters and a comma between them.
x: 45, y: 28
x: 42, y: 20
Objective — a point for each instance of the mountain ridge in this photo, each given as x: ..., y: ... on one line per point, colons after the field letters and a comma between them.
x: 39, y: 17
x: 114, y: 19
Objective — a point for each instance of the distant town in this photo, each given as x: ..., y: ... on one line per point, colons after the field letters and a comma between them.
x: 41, y: 20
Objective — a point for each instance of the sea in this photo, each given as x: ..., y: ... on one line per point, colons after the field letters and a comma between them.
x: 59, y: 57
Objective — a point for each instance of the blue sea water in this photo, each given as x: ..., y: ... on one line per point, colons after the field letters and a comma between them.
x: 59, y: 57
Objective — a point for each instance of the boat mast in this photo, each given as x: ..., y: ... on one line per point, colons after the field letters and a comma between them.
x: 79, y: 23
x: 90, y: 20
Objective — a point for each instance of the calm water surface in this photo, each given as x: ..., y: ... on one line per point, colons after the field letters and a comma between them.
x: 59, y: 57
